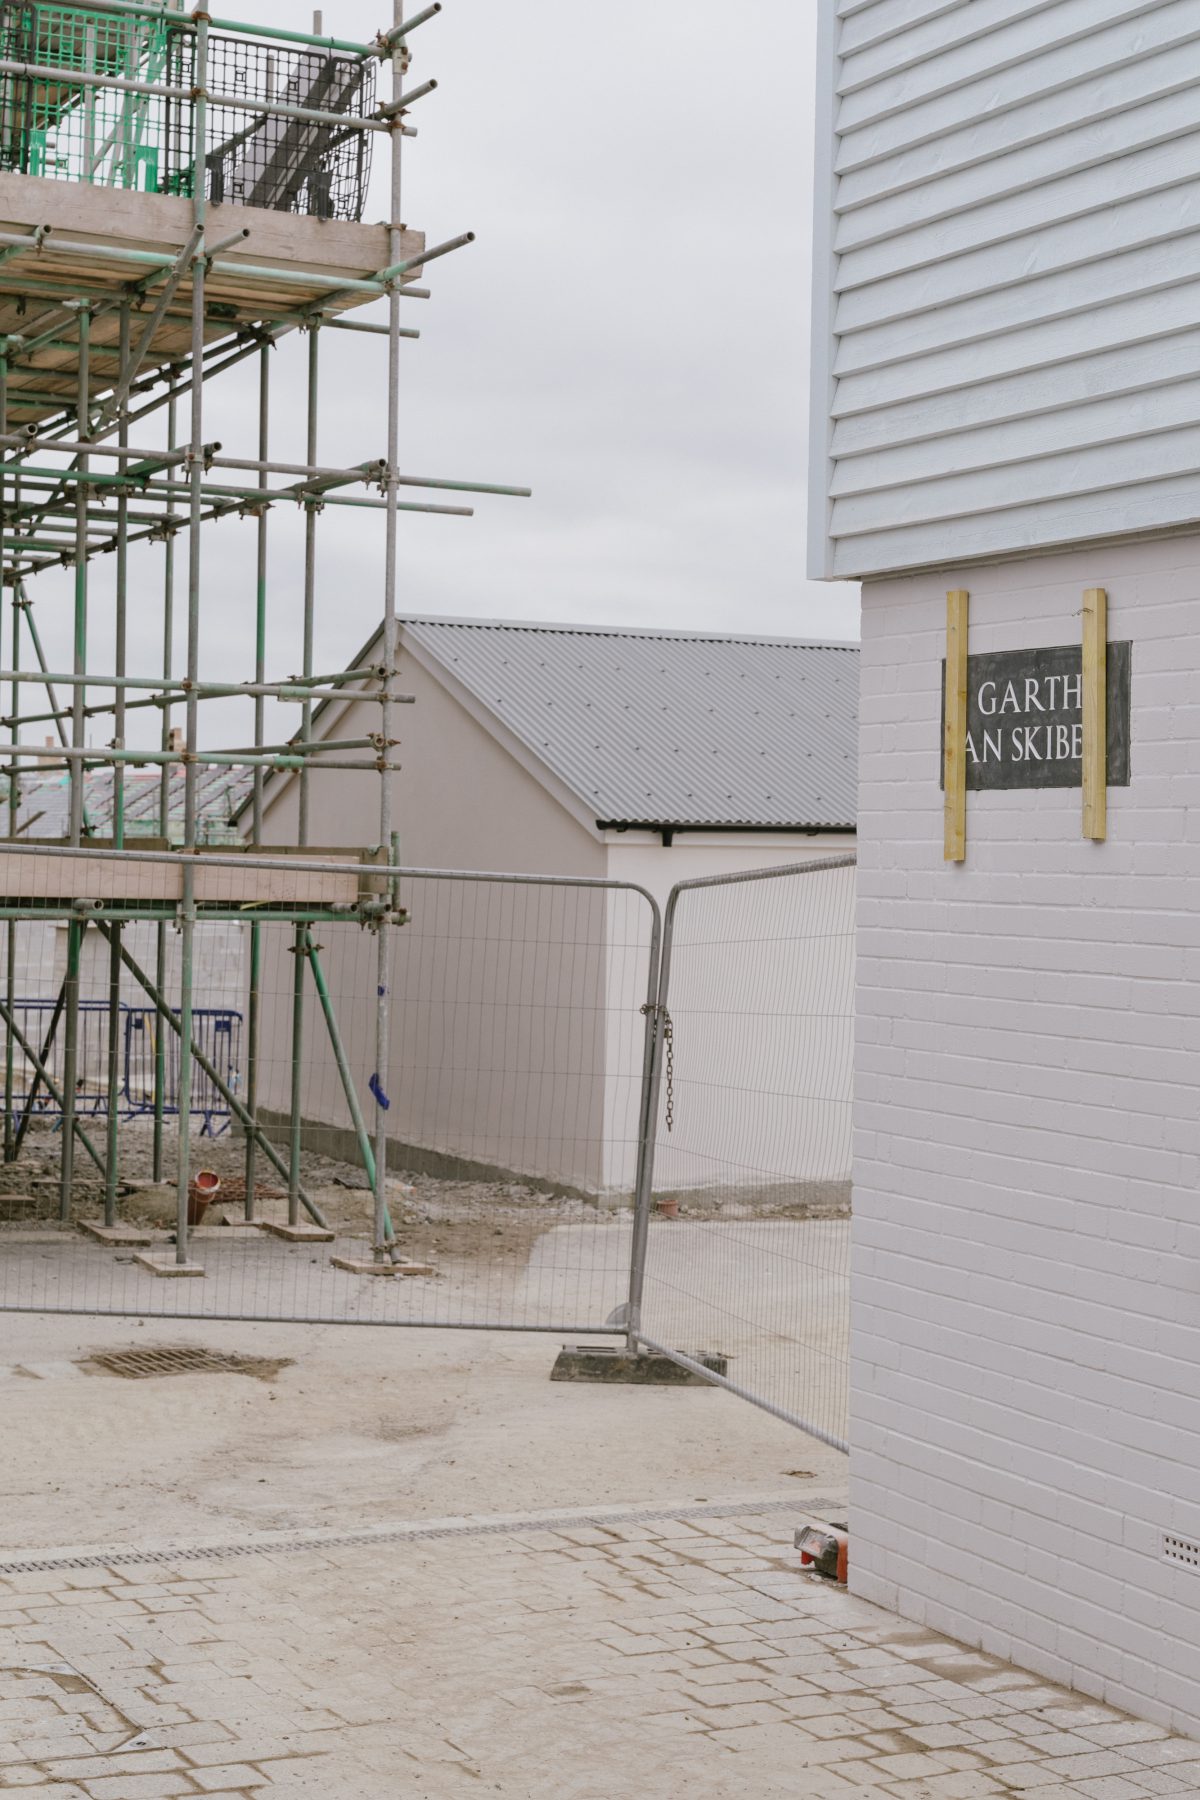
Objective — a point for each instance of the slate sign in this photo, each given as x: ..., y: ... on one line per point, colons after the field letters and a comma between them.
x: 1025, y: 718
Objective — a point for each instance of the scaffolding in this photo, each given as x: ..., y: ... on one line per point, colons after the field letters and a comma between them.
x: 140, y: 147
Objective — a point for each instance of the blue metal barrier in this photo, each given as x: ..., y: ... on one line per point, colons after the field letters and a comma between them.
x: 91, y: 1087
x: 217, y: 1032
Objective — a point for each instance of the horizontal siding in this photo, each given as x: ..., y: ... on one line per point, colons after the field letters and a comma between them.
x: 947, y: 69
x: 1007, y: 353
x: 926, y: 40
x: 1024, y: 397
x: 1086, y: 244
x: 1157, y: 268
x: 1054, y: 176
x: 1090, y: 103
x: 1107, y: 52
x: 871, y: 21
x: 1125, y: 419
x: 1075, y: 473
x: 1038, y: 347
x: 1020, y: 531
x: 1138, y: 177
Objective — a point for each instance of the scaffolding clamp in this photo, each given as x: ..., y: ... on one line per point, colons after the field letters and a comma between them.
x: 205, y: 458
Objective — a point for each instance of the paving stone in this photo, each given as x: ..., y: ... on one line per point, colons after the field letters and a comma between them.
x: 138, y: 1787
x: 227, y: 1775
x: 1162, y: 1781
x: 665, y: 1655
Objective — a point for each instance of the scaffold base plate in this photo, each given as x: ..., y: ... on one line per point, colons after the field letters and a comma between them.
x: 168, y: 1269
x: 121, y: 1235
x: 365, y: 1266
x: 299, y: 1234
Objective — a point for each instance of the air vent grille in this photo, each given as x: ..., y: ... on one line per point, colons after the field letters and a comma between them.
x: 1182, y: 1550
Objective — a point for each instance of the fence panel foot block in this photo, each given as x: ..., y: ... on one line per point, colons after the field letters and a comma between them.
x: 612, y: 1362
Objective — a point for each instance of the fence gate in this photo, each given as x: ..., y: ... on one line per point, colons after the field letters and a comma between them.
x: 743, y: 1234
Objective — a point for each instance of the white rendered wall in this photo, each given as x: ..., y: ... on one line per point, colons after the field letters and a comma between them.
x: 737, y: 1138
x: 465, y: 1081
x: 1026, y: 1336
x: 1007, y: 277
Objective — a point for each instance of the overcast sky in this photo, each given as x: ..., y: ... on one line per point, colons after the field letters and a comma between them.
x: 628, y: 337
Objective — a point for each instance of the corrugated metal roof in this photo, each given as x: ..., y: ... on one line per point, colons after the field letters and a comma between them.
x: 670, y: 728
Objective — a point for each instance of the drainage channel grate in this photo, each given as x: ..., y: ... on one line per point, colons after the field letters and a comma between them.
x: 184, y: 1359
x: 332, y: 1539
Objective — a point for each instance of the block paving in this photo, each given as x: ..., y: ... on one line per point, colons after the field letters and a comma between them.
x: 541, y: 1659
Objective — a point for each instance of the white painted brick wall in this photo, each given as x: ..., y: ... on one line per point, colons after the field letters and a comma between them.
x: 1026, y: 1343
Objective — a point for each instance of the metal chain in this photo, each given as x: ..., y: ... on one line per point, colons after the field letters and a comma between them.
x: 668, y: 1031
x: 668, y: 1035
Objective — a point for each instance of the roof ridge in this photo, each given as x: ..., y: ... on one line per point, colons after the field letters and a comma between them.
x: 569, y: 628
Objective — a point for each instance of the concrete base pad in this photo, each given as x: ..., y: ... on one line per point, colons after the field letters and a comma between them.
x: 363, y: 1266
x: 15, y: 1208
x: 121, y: 1235
x: 168, y: 1268
x: 299, y: 1234
x: 613, y: 1362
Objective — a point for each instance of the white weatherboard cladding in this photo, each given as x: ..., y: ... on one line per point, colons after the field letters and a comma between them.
x: 1007, y: 310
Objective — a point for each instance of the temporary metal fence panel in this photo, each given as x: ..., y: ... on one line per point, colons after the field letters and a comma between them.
x: 582, y: 1137
x: 218, y: 1034
x: 514, y: 1101
x: 745, y: 1251
x: 35, y: 1019
x: 217, y: 1031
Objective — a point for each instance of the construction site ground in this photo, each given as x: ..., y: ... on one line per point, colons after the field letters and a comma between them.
x: 406, y: 1564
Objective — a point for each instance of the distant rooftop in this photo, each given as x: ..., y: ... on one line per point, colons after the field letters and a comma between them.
x: 44, y: 810
x: 665, y: 728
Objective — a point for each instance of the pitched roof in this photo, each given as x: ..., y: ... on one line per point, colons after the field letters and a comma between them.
x: 45, y: 802
x: 665, y: 728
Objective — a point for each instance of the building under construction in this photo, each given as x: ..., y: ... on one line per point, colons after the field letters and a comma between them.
x: 179, y: 193
x: 455, y: 1075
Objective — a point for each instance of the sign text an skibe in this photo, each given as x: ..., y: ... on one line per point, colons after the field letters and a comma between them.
x: 1025, y: 718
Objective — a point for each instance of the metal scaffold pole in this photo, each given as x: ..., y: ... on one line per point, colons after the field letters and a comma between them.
x: 299, y: 956
x: 113, y: 1084
x: 187, y: 910
x: 78, y: 777
x: 254, y: 996
x: 383, y: 1021
x: 14, y: 789
x: 164, y: 806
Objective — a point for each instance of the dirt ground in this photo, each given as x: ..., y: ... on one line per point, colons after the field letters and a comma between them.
x: 365, y: 1424
x: 433, y: 1218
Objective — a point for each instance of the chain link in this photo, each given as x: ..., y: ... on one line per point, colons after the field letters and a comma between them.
x: 668, y: 1037
x: 668, y: 1031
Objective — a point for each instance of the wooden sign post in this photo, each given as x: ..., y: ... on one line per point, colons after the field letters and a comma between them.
x: 1095, y: 714
x: 954, y: 741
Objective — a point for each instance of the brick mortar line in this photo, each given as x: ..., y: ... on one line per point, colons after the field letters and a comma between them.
x: 331, y: 1539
